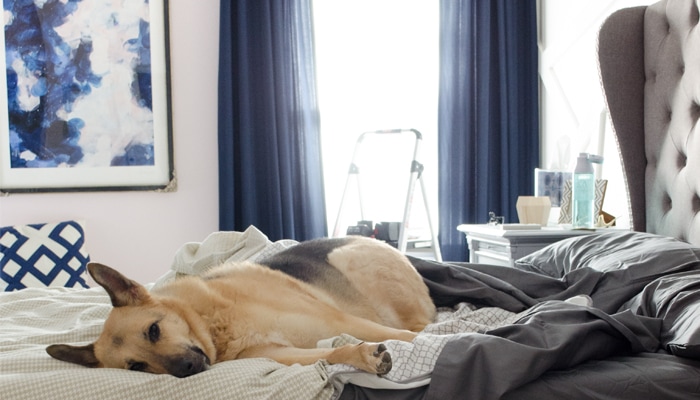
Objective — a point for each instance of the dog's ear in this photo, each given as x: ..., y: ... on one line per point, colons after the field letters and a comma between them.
x: 83, y: 355
x: 122, y: 290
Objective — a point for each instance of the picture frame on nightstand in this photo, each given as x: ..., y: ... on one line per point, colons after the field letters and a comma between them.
x: 601, y: 186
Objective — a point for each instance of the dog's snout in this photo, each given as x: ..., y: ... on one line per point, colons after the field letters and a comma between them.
x: 185, y: 368
x: 189, y: 368
x: 190, y: 363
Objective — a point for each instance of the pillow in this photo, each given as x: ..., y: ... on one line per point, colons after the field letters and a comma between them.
x: 43, y: 255
x: 609, y: 251
x: 676, y: 300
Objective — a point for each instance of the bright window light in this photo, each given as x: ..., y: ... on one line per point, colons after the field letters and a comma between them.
x: 377, y: 68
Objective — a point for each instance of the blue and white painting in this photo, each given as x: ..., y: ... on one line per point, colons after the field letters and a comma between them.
x: 78, y: 83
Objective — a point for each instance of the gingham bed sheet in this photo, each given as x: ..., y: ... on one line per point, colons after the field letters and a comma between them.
x: 32, y: 319
x: 413, y: 362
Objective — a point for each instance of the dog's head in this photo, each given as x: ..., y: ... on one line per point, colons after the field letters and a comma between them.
x: 142, y: 332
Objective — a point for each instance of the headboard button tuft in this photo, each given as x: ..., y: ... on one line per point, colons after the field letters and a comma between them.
x: 694, y: 112
x: 694, y: 14
x: 667, y: 203
x: 696, y: 204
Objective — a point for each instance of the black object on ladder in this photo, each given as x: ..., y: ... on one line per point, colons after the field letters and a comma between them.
x: 416, y: 175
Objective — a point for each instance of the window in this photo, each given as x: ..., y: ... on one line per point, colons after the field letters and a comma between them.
x: 377, y: 68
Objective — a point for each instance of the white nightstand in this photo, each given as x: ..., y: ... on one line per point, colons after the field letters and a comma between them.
x: 493, y: 245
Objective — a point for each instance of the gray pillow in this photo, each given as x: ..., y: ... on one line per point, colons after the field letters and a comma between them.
x: 608, y: 251
x: 676, y: 300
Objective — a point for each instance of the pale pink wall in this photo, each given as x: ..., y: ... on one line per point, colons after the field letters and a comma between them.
x: 138, y: 232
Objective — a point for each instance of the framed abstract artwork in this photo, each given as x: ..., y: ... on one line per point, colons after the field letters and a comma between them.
x: 85, y: 100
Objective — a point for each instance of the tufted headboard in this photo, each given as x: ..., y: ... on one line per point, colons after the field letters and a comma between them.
x: 649, y: 60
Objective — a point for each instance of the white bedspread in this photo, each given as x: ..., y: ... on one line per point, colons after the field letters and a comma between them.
x: 32, y: 319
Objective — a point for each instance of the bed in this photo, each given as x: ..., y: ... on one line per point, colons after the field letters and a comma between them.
x: 501, y: 332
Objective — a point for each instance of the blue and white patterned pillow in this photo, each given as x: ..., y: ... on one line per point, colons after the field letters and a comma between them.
x: 42, y: 255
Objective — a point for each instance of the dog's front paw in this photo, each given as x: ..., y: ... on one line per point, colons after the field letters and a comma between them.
x: 369, y: 357
x: 375, y: 358
x: 383, y: 359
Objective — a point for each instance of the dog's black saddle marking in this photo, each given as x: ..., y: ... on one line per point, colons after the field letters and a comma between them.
x: 308, y: 262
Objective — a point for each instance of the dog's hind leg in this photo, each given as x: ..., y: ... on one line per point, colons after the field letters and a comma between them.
x: 370, y: 357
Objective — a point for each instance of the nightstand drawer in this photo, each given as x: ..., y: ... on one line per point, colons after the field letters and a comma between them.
x: 489, y: 257
x: 491, y: 245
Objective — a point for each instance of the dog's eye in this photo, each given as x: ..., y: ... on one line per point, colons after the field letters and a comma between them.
x: 154, y: 332
x: 137, y: 366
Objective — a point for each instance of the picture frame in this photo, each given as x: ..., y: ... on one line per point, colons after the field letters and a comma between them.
x: 85, y: 101
x: 601, y: 186
x: 551, y: 183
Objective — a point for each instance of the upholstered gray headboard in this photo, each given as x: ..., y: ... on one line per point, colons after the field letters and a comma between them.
x: 649, y: 59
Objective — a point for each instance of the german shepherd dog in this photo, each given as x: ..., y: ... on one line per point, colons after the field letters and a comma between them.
x: 278, y: 308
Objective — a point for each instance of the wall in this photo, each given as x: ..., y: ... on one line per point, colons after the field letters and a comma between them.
x: 139, y: 232
x: 573, y: 117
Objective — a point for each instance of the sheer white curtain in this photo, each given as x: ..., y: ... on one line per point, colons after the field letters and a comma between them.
x: 377, y: 68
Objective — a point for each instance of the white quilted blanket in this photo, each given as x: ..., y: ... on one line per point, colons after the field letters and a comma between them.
x: 413, y: 362
x: 32, y: 319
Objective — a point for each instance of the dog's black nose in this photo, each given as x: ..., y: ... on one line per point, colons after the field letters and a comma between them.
x: 186, y: 368
x: 189, y: 367
x: 188, y: 364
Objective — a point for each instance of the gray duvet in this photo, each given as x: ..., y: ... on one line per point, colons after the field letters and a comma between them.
x: 618, y: 349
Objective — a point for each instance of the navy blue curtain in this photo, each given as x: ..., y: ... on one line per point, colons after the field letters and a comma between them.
x: 269, y: 141
x: 488, y: 127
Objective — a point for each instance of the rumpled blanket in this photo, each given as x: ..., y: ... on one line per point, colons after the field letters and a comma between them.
x: 476, y: 349
x: 413, y: 362
x: 196, y: 258
x: 32, y: 319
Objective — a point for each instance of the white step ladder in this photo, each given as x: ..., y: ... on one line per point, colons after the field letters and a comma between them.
x: 416, y: 175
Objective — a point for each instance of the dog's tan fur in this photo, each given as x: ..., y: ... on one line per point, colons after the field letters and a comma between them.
x: 248, y: 310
